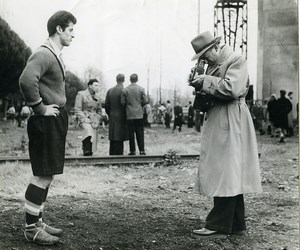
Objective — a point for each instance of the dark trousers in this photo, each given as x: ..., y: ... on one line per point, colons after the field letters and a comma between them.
x: 227, y: 215
x: 190, y: 122
x: 136, y: 128
x: 116, y: 148
x: 177, y: 122
x: 167, y: 120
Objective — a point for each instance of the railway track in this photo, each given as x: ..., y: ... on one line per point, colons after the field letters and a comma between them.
x: 107, y: 160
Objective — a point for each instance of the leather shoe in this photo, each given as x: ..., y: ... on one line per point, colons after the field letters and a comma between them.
x: 131, y: 153
x: 35, y: 233
x: 206, y: 233
x: 51, y: 230
x: 142, y: 153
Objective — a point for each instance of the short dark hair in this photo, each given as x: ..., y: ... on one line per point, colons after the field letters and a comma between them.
x: 120, y: 78
x: 90, y: 82
x: 134, y: 78
x: 61, y: 18
x: 282, y: 92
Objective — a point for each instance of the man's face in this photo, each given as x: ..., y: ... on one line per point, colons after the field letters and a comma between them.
x: 211, y: 56
x: 67, y: 35
x: 94, y: 87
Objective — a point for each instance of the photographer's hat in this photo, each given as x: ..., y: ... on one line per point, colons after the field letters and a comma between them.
x: 202, y: 43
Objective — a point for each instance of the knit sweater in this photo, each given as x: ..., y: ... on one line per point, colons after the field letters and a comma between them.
x: 42, y: 81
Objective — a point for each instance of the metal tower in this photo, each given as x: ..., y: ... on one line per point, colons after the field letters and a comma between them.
x: 230, y: 18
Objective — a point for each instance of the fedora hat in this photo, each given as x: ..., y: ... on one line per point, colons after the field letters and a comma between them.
x: 203, y: 42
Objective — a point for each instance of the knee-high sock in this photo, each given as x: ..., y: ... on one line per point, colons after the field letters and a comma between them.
x: 34, y: 197
x: 43, y: 204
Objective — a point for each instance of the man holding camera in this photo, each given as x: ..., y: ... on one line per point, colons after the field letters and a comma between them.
x: 229, y: 165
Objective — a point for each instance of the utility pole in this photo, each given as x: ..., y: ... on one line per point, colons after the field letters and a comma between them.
x: 160, y: 76
x: 197, y: 112
x: 148, y: 69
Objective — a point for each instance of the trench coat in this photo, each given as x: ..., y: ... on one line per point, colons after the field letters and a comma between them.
x: 229, y: 163
x: 88, y: 109
x: 118, y: 130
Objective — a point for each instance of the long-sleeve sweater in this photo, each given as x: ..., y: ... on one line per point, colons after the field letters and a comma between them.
x: 42, y: 81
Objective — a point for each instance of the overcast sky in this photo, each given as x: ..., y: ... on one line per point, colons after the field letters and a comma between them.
x: 127, y: 36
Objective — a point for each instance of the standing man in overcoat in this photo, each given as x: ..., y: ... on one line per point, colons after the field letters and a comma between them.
x: 134, y: 98
x: 43, y: 86
x: 178, y: 116
x: 118, y: 130
x: 190, y: 115
x: 229, y: 165
x: 88, y: 109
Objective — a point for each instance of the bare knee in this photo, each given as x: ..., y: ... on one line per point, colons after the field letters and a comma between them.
x: 42, y: 181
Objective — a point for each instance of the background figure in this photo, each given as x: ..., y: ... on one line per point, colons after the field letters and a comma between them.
x: 88, y: 109
x: 11, y: 114
x: 134, y: 98
x: 18, y: 108
x: 161, y: 110
x: 290, y: 131
x: 148, y: 116
x: 118, y: 130
x: 283, y: 108
x: 25, y: 113
x: 178, y: 114
x: 271, y: 114
x: 168, y: 114
x: 258, y: 116
x: 228, y: 164
x: 249, y: 97
x: 42, y: 84
x: 190, y: 115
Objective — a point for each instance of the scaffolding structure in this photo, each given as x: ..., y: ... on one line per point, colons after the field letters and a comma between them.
x: 231, y: 22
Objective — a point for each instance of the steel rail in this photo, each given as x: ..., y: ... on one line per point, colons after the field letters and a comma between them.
x: 107, y: 160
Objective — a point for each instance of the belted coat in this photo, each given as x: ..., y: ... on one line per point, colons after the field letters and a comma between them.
x: 229, y: 163
x: 88, y: 110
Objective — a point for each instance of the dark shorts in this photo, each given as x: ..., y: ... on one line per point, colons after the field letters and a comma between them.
x: 47, y: 138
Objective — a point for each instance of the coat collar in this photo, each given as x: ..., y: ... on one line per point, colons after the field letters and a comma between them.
x: 225, y: 52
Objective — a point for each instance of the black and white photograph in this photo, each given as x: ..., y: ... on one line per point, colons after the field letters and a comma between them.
x: 149, y: 124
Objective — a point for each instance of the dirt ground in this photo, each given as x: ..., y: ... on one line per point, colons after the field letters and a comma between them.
x: 149, y: 207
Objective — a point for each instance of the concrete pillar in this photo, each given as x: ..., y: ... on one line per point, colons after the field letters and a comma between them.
x: 277, y: 61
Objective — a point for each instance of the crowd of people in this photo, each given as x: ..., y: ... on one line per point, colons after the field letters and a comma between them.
x: 275, y: 116
x: 228, y: 166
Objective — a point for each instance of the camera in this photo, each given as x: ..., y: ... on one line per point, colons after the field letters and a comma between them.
x: 198, y: 69
x: 203, y: 102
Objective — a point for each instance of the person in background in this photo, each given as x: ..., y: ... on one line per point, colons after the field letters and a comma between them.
x: 25, y: 114
x: 228, y: 164
x: 88, y: 109
x: 178, y: 114
x: 148, y: 117
x: 271, y: 114
x: 168, y: 115
x: 118, y: 130
x: 42, y: 84
x: 258, y: 116
x: 190, y: 115
x: 290, y: 130
x: 250, y: 97
x: 134, y: 98
x: 11, y: 114
x: 283, y: 108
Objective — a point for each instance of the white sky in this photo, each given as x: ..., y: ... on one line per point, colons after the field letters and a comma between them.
x: 127, y: 36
